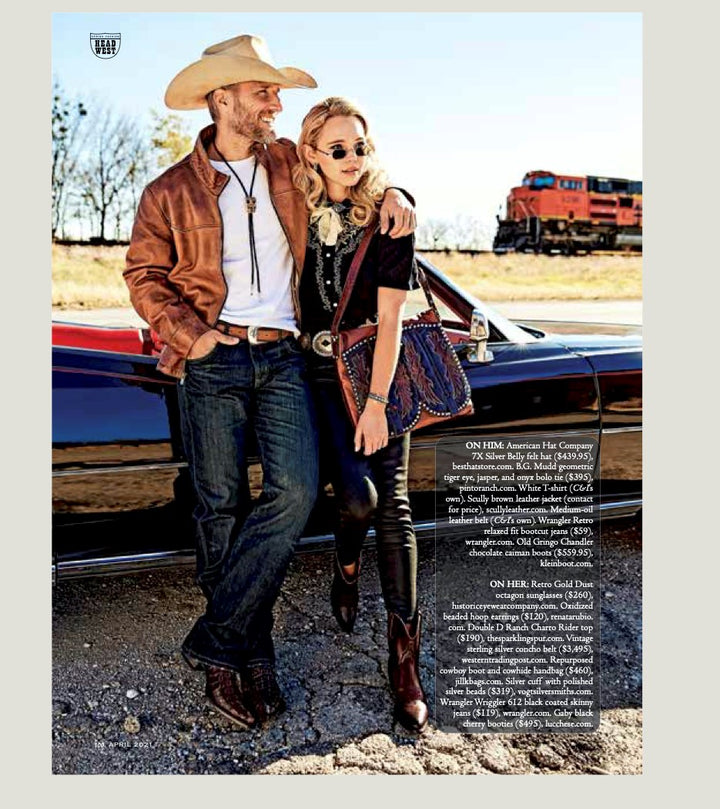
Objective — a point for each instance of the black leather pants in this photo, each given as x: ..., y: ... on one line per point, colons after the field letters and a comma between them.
x: 368, y: 490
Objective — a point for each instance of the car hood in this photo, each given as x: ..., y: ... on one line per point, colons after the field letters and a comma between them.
x: 585, y: 337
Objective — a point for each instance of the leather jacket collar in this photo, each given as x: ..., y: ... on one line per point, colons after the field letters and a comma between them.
x: 212, y: 179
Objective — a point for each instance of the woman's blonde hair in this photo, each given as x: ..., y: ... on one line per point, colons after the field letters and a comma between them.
x: 366, y: 195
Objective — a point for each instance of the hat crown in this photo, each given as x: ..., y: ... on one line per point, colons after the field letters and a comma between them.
x: 247, y: 46
x: 241, y: 59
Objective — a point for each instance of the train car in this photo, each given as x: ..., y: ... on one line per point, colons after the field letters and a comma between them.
x: 570, y: 213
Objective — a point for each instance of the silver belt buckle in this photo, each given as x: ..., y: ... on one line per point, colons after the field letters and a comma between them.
x: 252, y: 335
x: 322, y: 343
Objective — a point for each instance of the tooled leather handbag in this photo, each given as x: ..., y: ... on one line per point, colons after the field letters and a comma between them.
x: 429, y: 383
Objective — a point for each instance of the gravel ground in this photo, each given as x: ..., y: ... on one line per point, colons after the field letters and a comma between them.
x: 125, y: 702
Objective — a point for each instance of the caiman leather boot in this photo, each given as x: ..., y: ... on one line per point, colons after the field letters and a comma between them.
x: 223, y: 694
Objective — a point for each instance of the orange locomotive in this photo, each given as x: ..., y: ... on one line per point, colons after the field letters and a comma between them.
x: 559, y: 212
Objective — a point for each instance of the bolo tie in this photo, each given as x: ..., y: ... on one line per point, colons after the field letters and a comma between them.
x: 250, y: 207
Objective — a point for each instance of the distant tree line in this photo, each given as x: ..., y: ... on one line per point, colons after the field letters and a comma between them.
x: 464, y: 232
x: 101, y: 161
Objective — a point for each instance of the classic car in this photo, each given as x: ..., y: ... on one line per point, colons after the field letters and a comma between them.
x: 122, y: 499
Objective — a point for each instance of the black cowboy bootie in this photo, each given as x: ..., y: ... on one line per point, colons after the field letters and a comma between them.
x: 344, y: 596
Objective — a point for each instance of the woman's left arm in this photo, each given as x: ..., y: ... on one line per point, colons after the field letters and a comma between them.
x: 372, y: 430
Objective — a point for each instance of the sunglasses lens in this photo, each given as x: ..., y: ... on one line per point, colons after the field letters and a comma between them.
x: 360, y: 149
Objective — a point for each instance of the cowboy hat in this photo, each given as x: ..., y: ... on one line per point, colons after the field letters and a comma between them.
x: 243, y: 58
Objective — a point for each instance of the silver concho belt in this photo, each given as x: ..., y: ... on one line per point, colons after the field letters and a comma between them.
x: 322, y: 343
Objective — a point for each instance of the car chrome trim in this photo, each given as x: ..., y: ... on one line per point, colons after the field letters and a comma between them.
x: 114, y: 374
x: 104, y: 351
x: 579, y: 322
x: 109, y: 470
x: 76, y: 568
x: 621, y: 508
x: 479, y: 334
x: 109, y: 565
x: 636, y: 429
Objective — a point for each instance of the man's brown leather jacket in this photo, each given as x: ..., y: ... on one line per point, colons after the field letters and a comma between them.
x: 174, y: 263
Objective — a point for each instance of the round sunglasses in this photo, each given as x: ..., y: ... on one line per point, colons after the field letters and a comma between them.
x: 339, y: 152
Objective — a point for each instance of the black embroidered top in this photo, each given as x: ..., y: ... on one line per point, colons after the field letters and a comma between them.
x: 387, y: 263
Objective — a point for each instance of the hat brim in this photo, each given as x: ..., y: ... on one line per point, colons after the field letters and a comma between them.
x: 188, y: 89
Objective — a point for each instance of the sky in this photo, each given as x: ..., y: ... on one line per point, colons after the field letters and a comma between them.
x: 460, y: 105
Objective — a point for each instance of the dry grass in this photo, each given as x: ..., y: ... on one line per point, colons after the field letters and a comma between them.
x: 88, y: 277
x: 530, y: 277
x: 85, y: 277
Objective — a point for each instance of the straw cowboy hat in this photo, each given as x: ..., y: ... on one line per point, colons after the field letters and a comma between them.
x: 243, y: 58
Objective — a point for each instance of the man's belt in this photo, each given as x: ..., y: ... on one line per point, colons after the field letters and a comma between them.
x: 253, y: 334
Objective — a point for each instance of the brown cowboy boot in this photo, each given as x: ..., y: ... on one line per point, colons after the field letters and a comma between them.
x: 261, y: 691
x: 411, y: 709
x: 223, y: 694
x: 344, y: 596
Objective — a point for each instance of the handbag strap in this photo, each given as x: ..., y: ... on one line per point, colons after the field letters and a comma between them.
x: 352, y: 275
x: 354, y: 270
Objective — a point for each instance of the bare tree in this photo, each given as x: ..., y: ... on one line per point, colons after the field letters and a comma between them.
x: 464, y: 232
x: 470, y: 233
x: 69, y: 130
x: 114, y: 169
x: 434, y: 234
x: 139, y: 171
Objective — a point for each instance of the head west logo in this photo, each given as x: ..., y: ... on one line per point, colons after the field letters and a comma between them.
x: 105, y: 46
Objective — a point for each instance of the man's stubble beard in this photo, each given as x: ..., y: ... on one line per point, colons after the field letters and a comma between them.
x: 244, y: 123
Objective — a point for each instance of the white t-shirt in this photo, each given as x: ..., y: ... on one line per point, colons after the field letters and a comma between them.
x: 244, y: 306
